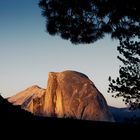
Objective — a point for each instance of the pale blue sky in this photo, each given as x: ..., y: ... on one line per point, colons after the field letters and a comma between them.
x: 28, y: 53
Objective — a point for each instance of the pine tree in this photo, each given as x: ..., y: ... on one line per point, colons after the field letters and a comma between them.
x: 127, y: 85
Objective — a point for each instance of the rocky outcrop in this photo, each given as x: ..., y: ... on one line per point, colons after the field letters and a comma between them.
x: 68, y: 94
x: 30, y: 99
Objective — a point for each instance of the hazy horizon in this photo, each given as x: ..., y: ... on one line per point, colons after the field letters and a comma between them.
x: 28, y: 53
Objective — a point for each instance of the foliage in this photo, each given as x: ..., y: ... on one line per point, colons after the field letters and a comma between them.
x: 86, y: 21
x: 127, y: 85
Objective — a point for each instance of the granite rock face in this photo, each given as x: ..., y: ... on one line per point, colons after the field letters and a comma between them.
x: 31, y: 99
x: 68, y: 94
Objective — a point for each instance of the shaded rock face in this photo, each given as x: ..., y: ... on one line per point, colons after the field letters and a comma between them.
x: 68, y: 94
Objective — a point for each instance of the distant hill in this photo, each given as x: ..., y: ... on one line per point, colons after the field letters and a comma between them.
x: 124, y: 114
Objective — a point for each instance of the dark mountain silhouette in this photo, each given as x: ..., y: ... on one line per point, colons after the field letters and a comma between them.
x: 8, y: 111
x: 14, y: 117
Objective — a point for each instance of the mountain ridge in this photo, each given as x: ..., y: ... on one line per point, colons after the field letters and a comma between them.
x: 68, y: 94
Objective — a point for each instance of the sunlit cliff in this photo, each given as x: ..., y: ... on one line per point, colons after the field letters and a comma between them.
x: 68, y: 94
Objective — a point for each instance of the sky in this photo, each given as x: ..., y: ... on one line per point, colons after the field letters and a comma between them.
x: 28, y: 53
